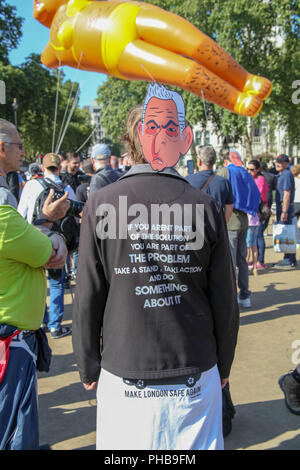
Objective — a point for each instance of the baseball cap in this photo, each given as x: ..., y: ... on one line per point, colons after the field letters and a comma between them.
x: 34, y: 169
x: 100, y: 152
x: 282, y: 158
x: 51, y: 159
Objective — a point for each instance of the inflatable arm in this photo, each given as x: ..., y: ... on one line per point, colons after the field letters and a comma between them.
x: 138, y: 41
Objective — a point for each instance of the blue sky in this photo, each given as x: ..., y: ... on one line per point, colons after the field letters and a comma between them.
x: 34, y: 39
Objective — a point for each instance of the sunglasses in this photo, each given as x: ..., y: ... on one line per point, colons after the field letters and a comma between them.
x: 251, y: 169
x: 15, y: 143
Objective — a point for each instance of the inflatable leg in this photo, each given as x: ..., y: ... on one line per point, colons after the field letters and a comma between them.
x: 143, y: 61
x: 174, y: 33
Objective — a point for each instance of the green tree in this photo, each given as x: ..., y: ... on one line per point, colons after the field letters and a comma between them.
x: 250, y: 32
x: 35, y: 89
x: 10, y: 30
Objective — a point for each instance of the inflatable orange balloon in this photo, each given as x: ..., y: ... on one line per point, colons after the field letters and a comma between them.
x: 138, y: 41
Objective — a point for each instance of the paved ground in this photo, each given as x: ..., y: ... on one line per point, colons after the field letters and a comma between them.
x: 268, y: 332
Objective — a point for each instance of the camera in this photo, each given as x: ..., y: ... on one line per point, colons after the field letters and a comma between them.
x: 76, y: 207
x: 84, y: 178
x: 68, y: 225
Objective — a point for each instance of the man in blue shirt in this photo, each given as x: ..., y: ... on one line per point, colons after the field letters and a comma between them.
x: 246, y: 201
x: 285, y: 193
x: 218, y: 187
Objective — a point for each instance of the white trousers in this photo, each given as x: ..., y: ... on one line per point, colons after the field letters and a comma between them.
x: 160, y: 417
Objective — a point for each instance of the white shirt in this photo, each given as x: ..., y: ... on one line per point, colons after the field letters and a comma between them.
x: 31, y: 192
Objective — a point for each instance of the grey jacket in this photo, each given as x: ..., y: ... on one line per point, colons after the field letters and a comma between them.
x: 102, y: 178
x: 6, y: 197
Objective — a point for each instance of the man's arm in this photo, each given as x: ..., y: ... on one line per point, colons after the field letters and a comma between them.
x: 229, y: 202
x: 228, y: 209
x: 285, y: 205
x: 59, y: 252
x: 22, y: 242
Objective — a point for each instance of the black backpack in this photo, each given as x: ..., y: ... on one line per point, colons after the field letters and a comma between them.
x: 67, y: 226
x: 47, y: 184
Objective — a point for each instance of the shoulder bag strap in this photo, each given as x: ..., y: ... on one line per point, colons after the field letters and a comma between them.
x: 207, y: 182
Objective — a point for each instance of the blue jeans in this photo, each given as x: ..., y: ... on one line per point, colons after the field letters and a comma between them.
x: 69, y: 263
x: 238, y: 248
x: 291, y: 257
x: 19, y: 423
x: 56, y: 309
x: 261, y: 242
x: 252, y: 234
x: 75, y: 261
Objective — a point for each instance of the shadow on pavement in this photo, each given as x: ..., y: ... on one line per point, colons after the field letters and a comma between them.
x: 70, y: 412
x: 272, y: 314
x: 260, y: 422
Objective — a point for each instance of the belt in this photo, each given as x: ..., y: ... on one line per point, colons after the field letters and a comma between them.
x: 188, y: 380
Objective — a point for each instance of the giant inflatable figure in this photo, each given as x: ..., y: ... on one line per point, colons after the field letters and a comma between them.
x: 138, y: 41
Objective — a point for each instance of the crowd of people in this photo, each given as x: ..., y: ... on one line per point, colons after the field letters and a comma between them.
x: 162, y: 346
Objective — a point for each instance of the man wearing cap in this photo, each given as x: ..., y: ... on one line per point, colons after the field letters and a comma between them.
x: 285, y: 193
x: 104, y: 174
x: 32, y: 190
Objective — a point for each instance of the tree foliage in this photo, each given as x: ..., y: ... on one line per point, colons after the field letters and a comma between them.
x: 10, y: 30
x: 35, y: 88
x: 261, y: 35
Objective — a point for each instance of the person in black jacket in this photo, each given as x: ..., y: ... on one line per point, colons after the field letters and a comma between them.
x: 104, y: 174
x: 82, y: 192
x: 72, y: 176
x: 155, y: 276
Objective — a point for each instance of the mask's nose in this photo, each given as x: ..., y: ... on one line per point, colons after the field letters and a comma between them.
x: 159, y: 140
